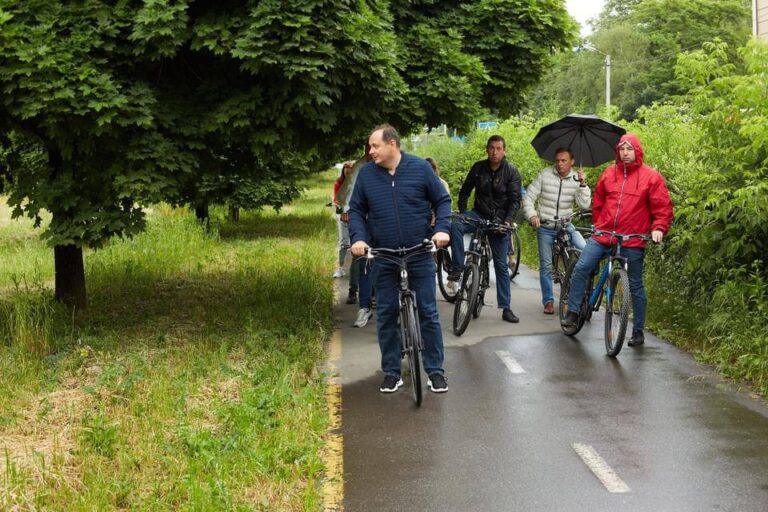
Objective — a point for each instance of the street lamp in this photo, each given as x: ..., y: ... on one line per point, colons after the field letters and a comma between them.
x: 607, y: 78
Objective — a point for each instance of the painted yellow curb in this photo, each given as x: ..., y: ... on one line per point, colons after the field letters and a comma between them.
x: 333, y: 486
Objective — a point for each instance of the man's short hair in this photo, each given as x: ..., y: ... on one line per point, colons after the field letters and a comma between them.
x: 496, y: 138
x: 388, y: 133
x: 564, y: 150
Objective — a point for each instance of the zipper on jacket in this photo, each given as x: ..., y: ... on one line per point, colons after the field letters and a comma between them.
x: 557, y: 204
x: 621, y: 196
x: 397, y: 212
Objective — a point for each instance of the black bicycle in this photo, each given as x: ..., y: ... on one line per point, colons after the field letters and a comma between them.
x: 613, y: 286
x: 476, y: 277
x: 410, y: 332
x: 514, y: 253
x: 563, y: 251
x: 444, y: 270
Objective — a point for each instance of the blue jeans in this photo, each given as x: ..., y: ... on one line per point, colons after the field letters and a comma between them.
x: 546, y: 238
x: 589, y: 260
x: 421, y: 277
x: 499, y: 249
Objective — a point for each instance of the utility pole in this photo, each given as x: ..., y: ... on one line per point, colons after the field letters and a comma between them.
x: 607, y: 78
x: 608, y: 85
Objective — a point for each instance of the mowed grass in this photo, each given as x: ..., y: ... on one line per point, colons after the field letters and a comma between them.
x: 193, y: 380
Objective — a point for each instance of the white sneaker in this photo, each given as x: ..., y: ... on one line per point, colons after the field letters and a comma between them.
x: 340, y: 272
x: 363, y: 316
x: 453, y: 287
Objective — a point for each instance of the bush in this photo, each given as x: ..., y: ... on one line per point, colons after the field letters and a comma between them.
x: 707, y: 281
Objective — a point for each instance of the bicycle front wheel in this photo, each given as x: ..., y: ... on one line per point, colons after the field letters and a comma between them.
x: 618, y: 302
x: 482, y: 287
x: 444, y: 268
x: 465, y: 299
x: 565, y: 288
x: 411, y: 345
x: 513, y: 256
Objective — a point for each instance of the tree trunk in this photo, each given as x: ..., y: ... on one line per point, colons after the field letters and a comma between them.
x: 70, y: 276
x: 201, y: 212
x: 234, y: 214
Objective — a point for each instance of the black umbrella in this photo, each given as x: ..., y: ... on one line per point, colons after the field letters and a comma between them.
x: 592, y: 140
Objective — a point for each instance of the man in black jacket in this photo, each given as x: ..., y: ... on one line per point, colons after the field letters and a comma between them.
x: 496, y: 183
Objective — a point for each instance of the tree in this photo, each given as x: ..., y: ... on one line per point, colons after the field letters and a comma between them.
x: 727, y: 212
x: 643, y: 38
x: 107, y: 106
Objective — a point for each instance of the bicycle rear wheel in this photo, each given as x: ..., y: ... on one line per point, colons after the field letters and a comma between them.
x: 618, y: 302
x: 465, y: 299
x: 444, y: 268
x: 565, y: 287
x: 513, y: 256
x: 411, y: 339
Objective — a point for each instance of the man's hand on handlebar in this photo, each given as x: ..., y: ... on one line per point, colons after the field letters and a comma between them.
x: 359, y: 248
x: 657, y: 236
x: 441, y: 239
x: 535, y: 221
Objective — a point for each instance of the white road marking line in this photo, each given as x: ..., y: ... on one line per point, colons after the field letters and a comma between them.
x: 600, y: 468
x: 512, y: 365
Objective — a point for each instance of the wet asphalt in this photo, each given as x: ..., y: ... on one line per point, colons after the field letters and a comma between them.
x: 667, y: 433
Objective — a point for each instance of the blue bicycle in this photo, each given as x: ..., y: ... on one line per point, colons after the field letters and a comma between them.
x: 613, y: 286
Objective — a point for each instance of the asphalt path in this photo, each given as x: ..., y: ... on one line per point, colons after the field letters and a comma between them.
x: 535, y: 420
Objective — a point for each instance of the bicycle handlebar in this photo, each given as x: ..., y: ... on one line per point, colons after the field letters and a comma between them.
x: 402, y: 253
x: 641, y: 236
x: 484, y: 223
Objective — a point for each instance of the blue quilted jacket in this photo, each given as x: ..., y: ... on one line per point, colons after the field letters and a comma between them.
x: 395, y: 211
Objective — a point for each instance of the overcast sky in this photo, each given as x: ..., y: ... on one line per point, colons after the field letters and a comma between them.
x: 582, y: 10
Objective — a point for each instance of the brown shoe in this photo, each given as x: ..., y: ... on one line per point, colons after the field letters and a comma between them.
x: 549, y: 308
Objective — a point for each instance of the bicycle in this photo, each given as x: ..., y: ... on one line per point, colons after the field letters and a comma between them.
x: 563, y: 250
x: 444, y: 269
x: 410, y: 332
x: 476, y: 277
x: 514, y: 253
x: 613, y: 286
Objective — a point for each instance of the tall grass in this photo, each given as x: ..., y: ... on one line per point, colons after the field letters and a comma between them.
x: 191, y: 382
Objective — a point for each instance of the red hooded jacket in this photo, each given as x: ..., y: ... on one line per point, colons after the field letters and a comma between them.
x: 631, y: 199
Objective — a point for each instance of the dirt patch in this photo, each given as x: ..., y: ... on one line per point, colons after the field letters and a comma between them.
x: 40, y: 446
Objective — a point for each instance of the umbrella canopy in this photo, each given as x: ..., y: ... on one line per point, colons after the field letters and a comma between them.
x: 592, y: 140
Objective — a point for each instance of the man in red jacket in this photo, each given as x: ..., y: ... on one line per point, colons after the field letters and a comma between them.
x: 630, y: 198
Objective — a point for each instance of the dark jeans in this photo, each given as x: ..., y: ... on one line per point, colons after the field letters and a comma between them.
x: 421, y: 276
x: 499, y: 249
x: 589, y: 260
x: 364, y: 281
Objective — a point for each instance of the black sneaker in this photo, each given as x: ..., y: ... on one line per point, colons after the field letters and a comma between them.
x: 437, y: 383
x: 509, y: 316
x: 637, y: 339
x: 391, y: 384
x: 571, y: 319
x: 454, y: 275
x: 352, y: 297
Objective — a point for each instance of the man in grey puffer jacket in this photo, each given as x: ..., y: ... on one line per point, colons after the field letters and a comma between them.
x: 556, y: 188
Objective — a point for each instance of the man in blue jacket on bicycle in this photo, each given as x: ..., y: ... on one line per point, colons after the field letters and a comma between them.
x: 496, y: 183
x: 391, y: 207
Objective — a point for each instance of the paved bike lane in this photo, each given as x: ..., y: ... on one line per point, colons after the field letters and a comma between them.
x: 535, y: 420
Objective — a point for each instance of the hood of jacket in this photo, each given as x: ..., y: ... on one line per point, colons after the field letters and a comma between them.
x: 639, y: 153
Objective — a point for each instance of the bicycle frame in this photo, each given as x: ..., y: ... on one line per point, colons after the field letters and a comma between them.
x: 615, y: 256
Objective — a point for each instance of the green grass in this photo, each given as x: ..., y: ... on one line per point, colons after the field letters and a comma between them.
x: 191, y: 382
